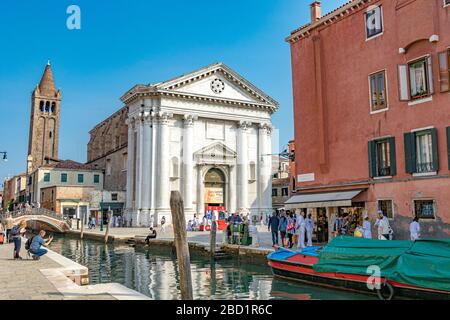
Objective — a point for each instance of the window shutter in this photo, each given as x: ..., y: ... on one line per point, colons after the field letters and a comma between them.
x: 430, y: 74
x: 410, y: 152
x: 392, y: 156
x: 448, y: 146
x: 434, y: 141
x: 372, y: 159
x: 403, y: 85
x: 444, y: 75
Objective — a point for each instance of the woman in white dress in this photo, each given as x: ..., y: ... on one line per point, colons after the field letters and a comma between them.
x: 367, y: 227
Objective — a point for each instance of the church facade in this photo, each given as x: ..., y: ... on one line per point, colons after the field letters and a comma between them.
x: 206, y: 134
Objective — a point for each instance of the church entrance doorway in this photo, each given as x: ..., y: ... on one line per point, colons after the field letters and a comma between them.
x: 215, y: 195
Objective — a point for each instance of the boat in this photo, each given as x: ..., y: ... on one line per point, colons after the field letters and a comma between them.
x: 390, y: 269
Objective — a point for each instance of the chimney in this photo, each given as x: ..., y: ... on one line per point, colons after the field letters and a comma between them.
x: 315, y: 11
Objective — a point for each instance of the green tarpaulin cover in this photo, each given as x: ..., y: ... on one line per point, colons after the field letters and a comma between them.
x: 423, y: 263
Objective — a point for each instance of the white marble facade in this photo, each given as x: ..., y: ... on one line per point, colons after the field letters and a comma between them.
x: 181, y: 129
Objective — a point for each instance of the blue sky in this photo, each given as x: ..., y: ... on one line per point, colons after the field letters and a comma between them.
x: 122, y: 43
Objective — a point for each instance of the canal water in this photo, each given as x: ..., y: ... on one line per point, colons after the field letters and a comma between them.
x: 153, y: 272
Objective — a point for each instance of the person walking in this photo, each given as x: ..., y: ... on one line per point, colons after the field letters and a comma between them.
x: 36, y: 243
x: 309, y: 224
x: 8, y: 226
x: 274, y: 225
x: 414, y: 229
x: 16, y: 234
x: 291, y: 229
x: 301, y: 230
x: 283, y: 229
x: 382, y: 224
x: 253, y: 232
x: 163, y: 224
x: 367, y: 228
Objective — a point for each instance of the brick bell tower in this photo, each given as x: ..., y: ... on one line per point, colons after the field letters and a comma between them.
x: 44, y: 122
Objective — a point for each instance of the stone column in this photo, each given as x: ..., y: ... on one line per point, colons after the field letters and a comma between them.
x: 154, y: 173
x: 265, y: 167
x: 242, y: 165
x: 163, y: 188
x: 188, y: 137
x: 200, y: 193
x: 232, y: 190
x: 130, y: 169
x: 146, y: 169
x: 139, y: 153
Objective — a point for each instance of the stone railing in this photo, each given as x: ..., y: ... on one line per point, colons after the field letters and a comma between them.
x: 33, y: 212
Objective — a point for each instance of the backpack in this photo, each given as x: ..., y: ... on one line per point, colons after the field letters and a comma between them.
x: 15, y: 231
x: 28, y: 243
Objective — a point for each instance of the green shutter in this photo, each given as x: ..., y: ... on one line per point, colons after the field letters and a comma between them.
x: 392, y: 156
x: 434, y: 141
x: 448, y: 146
x: 410, y: 152
x: 372, y: 159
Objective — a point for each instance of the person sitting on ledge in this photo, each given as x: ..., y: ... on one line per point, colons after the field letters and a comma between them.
x: 37, y: 242
x: 152, y: 235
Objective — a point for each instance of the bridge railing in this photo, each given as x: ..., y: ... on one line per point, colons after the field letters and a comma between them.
x: 34, y: 212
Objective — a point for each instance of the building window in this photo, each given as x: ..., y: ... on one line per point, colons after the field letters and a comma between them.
x: 175, y: 168
x: 284, y: 191
x: 378, y: 97
x: 47, y: 106
x: 424, y: 152
x: 47, y: 177
x: 124, y: 161
x: 274, y: 192
x: 41, y: 106
x: 53, y: 107
x: 108, y: 167
x: 80, y: 178
x: 113, y: 196
x: 252, y: 171
x: 63, y: 177
x: 382, y: 158
x: 424, y: 209
x: 96, y: 178
x: 387, y: 207
x: 117, y: 142
x: 421, y: 151
x: 418, y: 78
x: 444, y: 70
x: 30, y: 180
x: 374, y: 22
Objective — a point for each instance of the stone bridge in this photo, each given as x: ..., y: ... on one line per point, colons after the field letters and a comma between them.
x: 40, y: 218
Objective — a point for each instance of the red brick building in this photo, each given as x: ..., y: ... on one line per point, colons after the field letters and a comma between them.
x: 372, y: 112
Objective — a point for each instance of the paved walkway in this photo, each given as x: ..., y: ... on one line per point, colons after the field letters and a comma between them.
x: 48, y: 279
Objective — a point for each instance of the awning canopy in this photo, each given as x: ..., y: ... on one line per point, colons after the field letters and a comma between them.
x: 322, y: 200
x: 112, y: 205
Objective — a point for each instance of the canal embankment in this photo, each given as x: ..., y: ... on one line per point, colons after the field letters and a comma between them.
x: 197, y: 241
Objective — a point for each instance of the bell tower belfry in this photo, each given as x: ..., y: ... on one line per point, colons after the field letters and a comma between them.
x: 44, y: 121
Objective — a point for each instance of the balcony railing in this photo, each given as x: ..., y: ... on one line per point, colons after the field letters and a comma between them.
x: 384, y: 172
x: 424, y: 167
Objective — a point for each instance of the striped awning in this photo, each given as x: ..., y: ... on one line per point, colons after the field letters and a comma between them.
x: 322, y: 200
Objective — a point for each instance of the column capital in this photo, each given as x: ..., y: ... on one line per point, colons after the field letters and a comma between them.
x: 265, y: 128
x: 164, y: 117
x: 188, y: 120
x: 244, y: 125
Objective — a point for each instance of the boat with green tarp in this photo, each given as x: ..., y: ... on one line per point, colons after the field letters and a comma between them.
x: 413, y: 269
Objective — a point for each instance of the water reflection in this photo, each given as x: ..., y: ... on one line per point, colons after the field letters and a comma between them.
x: 153, y: 272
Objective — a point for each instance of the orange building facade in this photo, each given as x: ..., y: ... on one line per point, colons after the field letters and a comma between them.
x: 372, y: 113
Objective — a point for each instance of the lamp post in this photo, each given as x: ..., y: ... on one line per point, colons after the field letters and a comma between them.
x: 101, y: 214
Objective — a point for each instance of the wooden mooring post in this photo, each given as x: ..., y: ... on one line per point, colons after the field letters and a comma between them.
x: 181, y: 245
x: 107, y: 226
x: 213, y: 236
x: 82, y: 226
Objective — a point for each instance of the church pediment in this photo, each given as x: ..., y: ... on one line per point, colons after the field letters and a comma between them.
x: 215, y: 153
x: 219, y: 82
